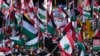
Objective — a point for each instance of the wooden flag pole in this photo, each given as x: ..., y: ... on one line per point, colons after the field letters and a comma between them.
x: 54, y: 50
x: 38, y: 27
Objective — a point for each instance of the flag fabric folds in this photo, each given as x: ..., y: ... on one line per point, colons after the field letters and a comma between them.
x: 28, y: 22
x: 81, y: 48
x: 67, y: 44
x: 28, y: 29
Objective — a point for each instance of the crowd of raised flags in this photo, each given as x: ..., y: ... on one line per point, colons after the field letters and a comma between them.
x: 30, y: 24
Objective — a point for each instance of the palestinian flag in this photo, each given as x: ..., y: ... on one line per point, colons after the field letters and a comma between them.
x: 42, y: 27
x: 30, y: 17
x: 66, y: 44
x: 87, y: 5
x: 87, y: 14
x: 50, y: 24
x: 40, y: 24
x: 96, y: 7
x: 72, y: 15
x: 36, y: 21
x: 73, y: 12
x: 87, y: 10
x: 81, y: 48
x: 18, y: 18
x: 42, y: 14
x: 32, y: 43
x: 17, y: 40
x: 28, y: 29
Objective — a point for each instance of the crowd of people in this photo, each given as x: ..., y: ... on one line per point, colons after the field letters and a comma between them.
x: 29, y: 28
x: 49, y: 49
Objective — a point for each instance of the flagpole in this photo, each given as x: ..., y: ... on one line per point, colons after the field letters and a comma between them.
x: 43, y: 40
x: 2, y: 31
x: 92, y: 9
x: 38, y: 26
x: 21, y: 25
x: 82, y: 22
x: 46, y: 27
x: 54, y: 50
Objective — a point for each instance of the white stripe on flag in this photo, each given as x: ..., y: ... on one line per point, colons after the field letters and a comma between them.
x: 65, y: 41
x: 29, y: 27
x: 32, y: 42
x: 15, y: 38
x: 82, y: 53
